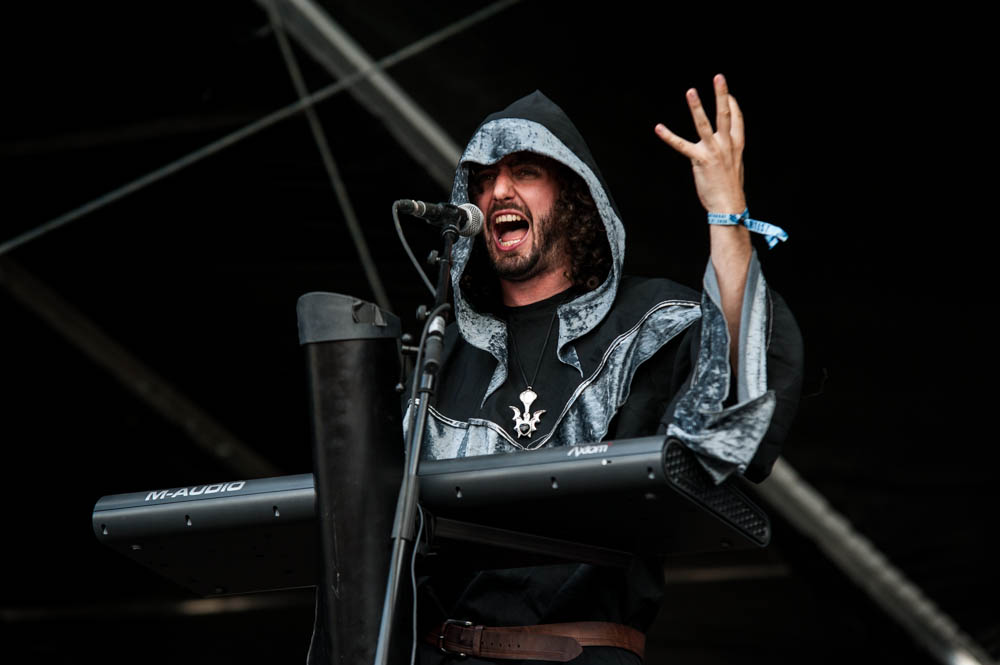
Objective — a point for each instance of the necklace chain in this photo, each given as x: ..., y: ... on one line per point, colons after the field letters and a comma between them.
x: 526, y: 423
x: 541, y: 356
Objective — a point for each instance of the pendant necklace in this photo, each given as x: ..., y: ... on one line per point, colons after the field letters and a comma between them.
x: 526, y: 423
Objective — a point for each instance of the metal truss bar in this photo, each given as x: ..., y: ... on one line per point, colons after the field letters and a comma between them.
x: 717, y: 574
x: 131, y: 133
x: 444, y: 33
x: 173, y: 167
x: 339, y: 188
x: 334, y: 48
x: 142, y: 381
x: 274, y: 601
x: 251, y: 129
x: 860, y: 560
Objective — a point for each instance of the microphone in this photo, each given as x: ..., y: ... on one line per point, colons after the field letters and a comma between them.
x: 466, y: 217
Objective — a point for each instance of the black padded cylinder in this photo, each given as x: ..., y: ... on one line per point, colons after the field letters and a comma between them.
x: 352, y: 361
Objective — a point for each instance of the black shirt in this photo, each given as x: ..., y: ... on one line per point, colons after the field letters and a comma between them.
x: 533, y: 331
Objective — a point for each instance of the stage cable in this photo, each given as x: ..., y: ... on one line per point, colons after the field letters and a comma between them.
x: 249, y: 130
x: 413, y: 579
x: 410, y: 415
x: 409, y: 252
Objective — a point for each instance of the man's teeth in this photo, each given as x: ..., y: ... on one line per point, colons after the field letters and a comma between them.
x: 503, y: 235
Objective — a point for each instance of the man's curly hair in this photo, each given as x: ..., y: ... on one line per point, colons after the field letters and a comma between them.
x: 575, y: 218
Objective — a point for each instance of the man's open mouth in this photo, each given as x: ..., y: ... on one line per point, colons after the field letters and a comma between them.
x: 509, y: 230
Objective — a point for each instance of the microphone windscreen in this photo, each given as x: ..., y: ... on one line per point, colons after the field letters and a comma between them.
x: 475, y: 223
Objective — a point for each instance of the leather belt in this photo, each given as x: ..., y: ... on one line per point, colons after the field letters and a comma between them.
x: 558, y: 642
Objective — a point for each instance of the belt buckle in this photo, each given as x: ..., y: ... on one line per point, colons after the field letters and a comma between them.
x: 455, y: 622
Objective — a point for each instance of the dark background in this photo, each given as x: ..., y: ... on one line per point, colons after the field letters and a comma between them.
x: 861, y: 132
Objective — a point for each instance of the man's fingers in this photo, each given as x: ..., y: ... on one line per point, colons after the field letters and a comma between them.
x: 729, y: 120
x: 701, y: 122
x: 722, y: 109
x: 737, y: 131
x: 682, y: 146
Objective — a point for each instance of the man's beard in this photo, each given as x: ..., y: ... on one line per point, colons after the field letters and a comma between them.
x: 550, y: 249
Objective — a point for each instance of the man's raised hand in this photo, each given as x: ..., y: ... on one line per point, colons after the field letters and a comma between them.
x: 717, y: 159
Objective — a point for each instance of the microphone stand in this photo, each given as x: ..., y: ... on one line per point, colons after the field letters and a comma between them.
x: 428, y: 364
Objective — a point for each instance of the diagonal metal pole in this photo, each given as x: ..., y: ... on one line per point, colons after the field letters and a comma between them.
x: 331, y: 46
x: 141, y: 380
x: 860, y: 560
x: 339, y: 188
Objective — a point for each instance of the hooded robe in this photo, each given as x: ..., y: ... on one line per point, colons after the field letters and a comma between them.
x: 634, y: 357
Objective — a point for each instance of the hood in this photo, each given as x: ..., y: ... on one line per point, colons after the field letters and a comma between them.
x: 535, y: 124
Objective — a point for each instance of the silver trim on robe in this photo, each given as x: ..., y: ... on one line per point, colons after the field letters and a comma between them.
x: 725, y: 439
x: 589, y: 410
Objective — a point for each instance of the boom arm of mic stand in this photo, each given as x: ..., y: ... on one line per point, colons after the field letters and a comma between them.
x: 406, y: 508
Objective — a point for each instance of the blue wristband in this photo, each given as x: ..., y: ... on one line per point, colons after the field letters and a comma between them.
x: 773, y: 234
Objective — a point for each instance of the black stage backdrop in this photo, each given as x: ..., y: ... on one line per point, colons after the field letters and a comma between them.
x: 866, y: 140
